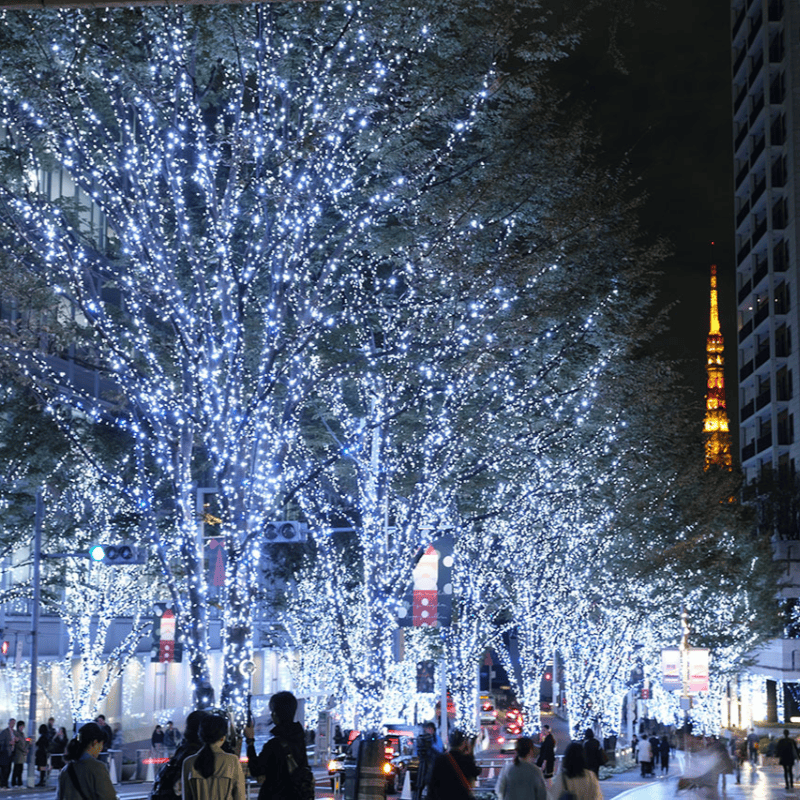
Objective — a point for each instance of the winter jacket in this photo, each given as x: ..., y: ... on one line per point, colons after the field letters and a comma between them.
x: 271, y: 762
x: 225, y: 783
x: 92, y: 776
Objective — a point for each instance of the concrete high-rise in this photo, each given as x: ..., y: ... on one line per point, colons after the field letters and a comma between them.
x: 766, y: 104
x: 766, y: 136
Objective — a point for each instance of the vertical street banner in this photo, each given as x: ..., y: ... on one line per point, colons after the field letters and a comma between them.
x: 671, y: 669
x: 429, y: 599
x: 698, y: 669
x: 671, y: 679
x: 424, y: 591
x: 165, y: 649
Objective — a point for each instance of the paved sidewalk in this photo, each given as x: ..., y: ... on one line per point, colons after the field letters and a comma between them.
x: 759, y: 783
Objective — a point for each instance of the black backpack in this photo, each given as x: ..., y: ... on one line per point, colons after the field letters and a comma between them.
x: 301, y: 778
x: 171, y: 773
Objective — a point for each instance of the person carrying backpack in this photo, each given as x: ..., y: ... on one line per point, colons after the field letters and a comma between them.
x: 167, y: 785
x: 282, y: 762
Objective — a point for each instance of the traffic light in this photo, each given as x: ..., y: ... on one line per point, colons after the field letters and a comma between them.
x: 282, y: 532
x: 117, y: 555
x: 4, y: 645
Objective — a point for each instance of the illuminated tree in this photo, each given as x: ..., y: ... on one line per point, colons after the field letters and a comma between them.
x: 205, y: 190
x: 94, y: 595
x: 83, y: 505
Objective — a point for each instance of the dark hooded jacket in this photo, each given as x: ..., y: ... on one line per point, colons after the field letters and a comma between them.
x: 271, y: 762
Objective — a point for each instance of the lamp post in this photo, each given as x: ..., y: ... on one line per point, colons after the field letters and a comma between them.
x: 37, y: 550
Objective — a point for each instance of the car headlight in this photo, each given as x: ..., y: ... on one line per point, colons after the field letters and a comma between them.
x: 387, y: 768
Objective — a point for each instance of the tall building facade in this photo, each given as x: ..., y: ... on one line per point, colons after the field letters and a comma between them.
x: 766, y: 146
x: 766, y: 103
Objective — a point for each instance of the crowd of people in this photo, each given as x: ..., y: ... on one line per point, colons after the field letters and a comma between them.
x: 201, y: 764
x: 15, y: 745
x: 652, y: 753
x: 528, y: 776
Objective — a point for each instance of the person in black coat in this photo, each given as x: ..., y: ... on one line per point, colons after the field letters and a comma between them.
x: 454, y: 773
x: 592, y: 751
x: 272, y: 761
x: 664, y: 750
x: 655, y: 745
x: 42, y: 754
x: 547, y: 752
x: 786, y: 751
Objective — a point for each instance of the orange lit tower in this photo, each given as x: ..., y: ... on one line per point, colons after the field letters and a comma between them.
x: 715, y: 424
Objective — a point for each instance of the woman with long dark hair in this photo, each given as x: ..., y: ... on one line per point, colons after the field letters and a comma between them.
x: 42, y: 755
x: 213, y: 774
x: 84, y: 777
x: 575, y: 777
x: 168, y: 783
x: 57, y: 748
x: 521, y: 779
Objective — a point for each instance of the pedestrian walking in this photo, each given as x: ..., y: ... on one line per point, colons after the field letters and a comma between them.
x: 574, y: 777
x: 85, y: 777
x: 168, y: 782
x: 655, y: 748
x: 41, y: 756
x: 454, y: 772
x: 634, y: 747
x: 213, y: 774
x: 8, y: 739
x: 547, y: 752
x: 594, y: 753
x: 521, y: 779
x: 752, y: 746
x: 664, y: 752
x: 288, y: 742
x: 645, y: 757
x: 786, y: 750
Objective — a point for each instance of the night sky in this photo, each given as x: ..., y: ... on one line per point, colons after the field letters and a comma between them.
x: 671, y: 116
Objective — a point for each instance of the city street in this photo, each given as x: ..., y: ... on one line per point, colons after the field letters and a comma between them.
x: 761, y: 783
